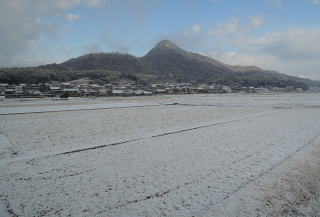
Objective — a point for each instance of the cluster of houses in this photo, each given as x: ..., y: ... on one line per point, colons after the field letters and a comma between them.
x: 67, y: 89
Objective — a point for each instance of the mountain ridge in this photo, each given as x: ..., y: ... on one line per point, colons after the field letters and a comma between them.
x: 166, y: 62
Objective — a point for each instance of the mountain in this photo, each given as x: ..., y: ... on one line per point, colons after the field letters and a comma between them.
x: 170, y: 62
x: 166, y: 62
x: 104, y: 61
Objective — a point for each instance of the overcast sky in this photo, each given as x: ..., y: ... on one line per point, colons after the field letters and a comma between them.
x: 281, y: 35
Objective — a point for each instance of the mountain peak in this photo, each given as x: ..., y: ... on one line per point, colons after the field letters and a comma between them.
x: 166, y: 44
x: 164, y: 47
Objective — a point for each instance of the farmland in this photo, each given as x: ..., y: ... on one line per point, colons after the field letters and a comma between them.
x: 177, y: 155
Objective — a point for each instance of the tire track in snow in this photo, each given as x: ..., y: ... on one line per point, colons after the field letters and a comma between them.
x: 84, y: 109
x: 118, y: 107
x: 149, y: 197
x: 162, y: 134
x: 194, y: 181
x: 210, y: 105
x: 121, y: 107
x: 30, y: 158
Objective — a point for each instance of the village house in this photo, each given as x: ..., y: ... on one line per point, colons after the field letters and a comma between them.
x: 118, y: 92
x: 193, y: 90
x: 72, y: 92
x: 160, y: 91
x: 55, y: 90
x: 289, y: 88
x: 3, y: 87
x: 169, y: 90
x: 19, y: 89
x: 9, y: 91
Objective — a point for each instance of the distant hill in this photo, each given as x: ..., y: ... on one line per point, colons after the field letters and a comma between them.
x: 166, y: 62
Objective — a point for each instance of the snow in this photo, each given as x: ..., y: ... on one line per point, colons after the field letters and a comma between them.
x: 147, y: 156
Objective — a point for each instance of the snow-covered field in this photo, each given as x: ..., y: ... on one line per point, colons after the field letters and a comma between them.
x: 184, y: 155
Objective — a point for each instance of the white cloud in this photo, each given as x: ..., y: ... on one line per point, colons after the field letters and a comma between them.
x: 94, y: 3
x: 70, y: 17
x: 191, y: 38
x: 256, y: 21
x: 196, y: 28
x: 113, y: 45
x: 22, y: 22
x: 302, y: 68
x: 293, y: 52
x: 67, y: 4
x: 277, y: 3
x: 234, y: 26
x: 293, y: 44
x: 229, y: 26
x: 317, y: 2
x: 62, y: 49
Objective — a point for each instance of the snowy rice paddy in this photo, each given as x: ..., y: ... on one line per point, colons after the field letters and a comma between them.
x: 184, y: 155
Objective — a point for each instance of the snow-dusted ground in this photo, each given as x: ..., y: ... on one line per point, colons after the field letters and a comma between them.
x: 186, y: 155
